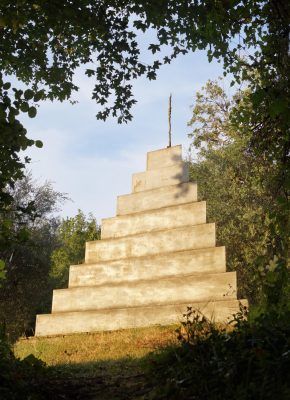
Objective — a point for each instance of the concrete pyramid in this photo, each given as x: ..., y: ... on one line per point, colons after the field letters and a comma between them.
x: 155, y: 258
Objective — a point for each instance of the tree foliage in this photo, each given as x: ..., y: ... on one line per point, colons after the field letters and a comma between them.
x: 72, y: 235
x: 244, y: 360
x: 43, y: 43
x: 27, y: 241
x: 13, y: 138
x: 237, y: 185
x: 37, y: 248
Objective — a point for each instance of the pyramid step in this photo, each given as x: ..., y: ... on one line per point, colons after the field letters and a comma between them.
x: 153, y: 220
x: 156, y: 178
x: 157, y: 198
x: 164, y: 157
x: 151, y: 243
x: 205, y: 261
x: 135, y: 317
x: 176, y: 289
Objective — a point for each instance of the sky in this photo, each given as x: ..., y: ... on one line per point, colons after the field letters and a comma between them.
x: 92, y: 161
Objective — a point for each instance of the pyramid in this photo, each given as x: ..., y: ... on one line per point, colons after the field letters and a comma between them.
x: 155, y: 258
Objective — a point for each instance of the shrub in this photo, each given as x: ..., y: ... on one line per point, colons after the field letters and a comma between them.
x: 19, y: 380
x: 247, y: 359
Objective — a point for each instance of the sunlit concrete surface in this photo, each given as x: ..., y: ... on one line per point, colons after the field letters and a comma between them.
x: 155, y: 258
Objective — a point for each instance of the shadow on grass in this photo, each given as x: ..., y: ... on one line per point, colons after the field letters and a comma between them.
x: 121, y: 379
x: 102, y: 365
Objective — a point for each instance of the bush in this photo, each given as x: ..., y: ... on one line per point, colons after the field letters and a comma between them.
x: 19, y: 380
x: 248, y: 359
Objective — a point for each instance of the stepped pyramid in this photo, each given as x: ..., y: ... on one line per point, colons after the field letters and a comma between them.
x: 155, y: 258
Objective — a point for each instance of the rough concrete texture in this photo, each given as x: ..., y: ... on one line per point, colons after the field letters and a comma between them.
x: 201, y: 261
x: 132, y: 317
x: 174, y: 289
x: 154, y: 220
x: 156, y: 198
x: 150, y: 243
x: 174, y: 174
x: 164, y: 158
x: 154, y: 259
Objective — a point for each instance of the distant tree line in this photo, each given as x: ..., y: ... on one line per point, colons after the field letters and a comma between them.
x: 37, y: 248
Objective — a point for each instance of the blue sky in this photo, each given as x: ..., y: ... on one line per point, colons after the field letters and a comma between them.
x: 92, y: 161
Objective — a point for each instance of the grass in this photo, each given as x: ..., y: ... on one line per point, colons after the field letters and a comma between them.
x: 99, y: 366
x: 96, y: 347
x: 250, y: 360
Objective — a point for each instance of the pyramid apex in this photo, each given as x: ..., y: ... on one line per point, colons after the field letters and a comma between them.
x: 164, y: 157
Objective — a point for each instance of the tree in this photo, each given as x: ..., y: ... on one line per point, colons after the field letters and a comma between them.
x: 43, y: 43
x: 237, y: 186
x: 72, y: 235
x: 13, y: 139
x: 26, y: 243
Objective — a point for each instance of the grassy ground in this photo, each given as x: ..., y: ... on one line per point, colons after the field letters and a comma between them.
x: 104, y: 365
x: 248, y: 361
x: 95, y: 347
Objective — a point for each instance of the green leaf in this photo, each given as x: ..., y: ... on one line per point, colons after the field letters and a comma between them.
x: 38, y: 95
x: 7, y: 86
x: 23, y: 234
x: 24, y: 107
x: 39, y: 144
x: 32, y: 112
x: 28, y: 94
x: 277, y: 107
x: 90, y: 72
x: 11, y: 117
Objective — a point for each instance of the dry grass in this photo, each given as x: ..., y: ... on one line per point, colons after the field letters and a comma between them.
x: 98, y: 366
x: 96, y: 347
